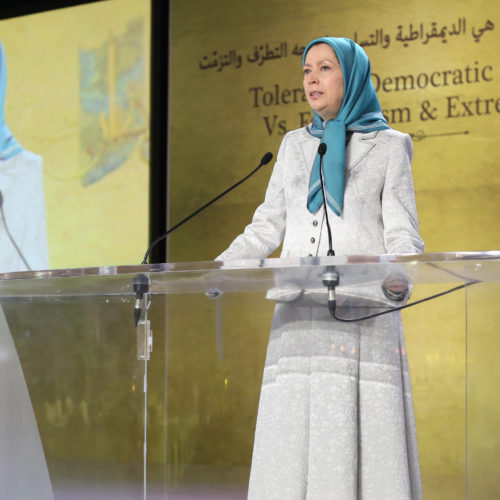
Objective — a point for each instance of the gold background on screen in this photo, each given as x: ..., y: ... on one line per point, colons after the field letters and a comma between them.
x: 217, y: 135
x: 105, y: 223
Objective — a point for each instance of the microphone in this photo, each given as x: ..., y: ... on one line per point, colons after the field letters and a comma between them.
x: 141, y: 281
x: 264, y: 161
x: 266, y: 158
x: 11, y: 238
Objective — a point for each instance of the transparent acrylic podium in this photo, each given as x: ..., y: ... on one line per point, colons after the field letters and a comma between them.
x: 93, y: 406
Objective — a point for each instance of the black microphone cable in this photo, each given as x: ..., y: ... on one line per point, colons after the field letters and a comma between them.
x: 11, y: 238
x: 332, y: 303
x: 332, y: 306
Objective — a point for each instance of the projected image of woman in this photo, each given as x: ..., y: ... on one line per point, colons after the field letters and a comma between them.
x: 23, y: 234
x: 335, y: 415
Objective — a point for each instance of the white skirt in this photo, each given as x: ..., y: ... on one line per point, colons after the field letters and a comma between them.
x: 335, y: 416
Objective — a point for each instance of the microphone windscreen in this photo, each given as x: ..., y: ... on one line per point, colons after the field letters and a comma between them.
x: 266, y: 158
x: 322, y: 149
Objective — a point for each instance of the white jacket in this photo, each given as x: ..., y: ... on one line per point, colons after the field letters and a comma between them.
x: 379, y: 214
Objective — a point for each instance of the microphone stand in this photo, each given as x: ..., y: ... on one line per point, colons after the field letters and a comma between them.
x: 330, y: 278
x: 141, y: 281
x: 321, y: 152
x: 264, y: 161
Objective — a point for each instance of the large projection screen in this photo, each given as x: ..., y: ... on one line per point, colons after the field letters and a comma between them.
x: 77, y: 101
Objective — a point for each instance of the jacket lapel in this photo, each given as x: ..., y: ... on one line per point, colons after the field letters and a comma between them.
x: 309, y: 146
x: 359, y: 146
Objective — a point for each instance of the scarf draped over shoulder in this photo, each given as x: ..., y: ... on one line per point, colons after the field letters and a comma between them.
x: 360, y: 111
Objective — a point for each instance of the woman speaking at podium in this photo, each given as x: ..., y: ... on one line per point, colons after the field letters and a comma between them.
x: 335, y: 416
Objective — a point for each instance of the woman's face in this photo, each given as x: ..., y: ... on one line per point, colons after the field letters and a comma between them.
x: 323, y: 81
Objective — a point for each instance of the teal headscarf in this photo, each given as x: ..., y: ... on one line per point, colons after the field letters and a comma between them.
x: 360, y: 112
x: 9, y: 147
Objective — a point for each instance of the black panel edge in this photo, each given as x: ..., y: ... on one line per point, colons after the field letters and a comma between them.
x: 26, y: 7
x: 159, y: 127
